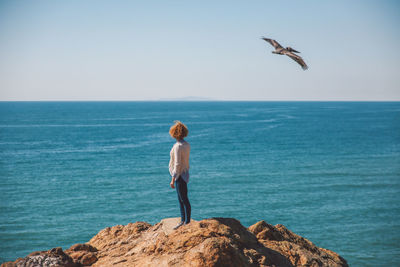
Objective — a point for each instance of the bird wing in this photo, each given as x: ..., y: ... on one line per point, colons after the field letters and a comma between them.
x: 291, y: 49
x: 298, y: 59
x: 272, y: 42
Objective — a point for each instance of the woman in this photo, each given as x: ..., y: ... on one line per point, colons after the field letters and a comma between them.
x: 179, y: 169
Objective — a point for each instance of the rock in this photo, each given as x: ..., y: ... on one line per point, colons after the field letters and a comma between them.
x: 84, y: 254
x: 82, y: 247
x: 50, y: 258
x: 168, y: 224
x: 300, y: 251
x: 210, y: 242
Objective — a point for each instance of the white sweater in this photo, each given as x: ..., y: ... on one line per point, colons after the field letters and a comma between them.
x: 179, y: 160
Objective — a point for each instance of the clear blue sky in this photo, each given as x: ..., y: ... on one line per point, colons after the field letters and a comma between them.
x: 149, y: 50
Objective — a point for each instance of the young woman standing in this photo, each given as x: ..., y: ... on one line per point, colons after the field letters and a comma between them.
x: 179, y: 169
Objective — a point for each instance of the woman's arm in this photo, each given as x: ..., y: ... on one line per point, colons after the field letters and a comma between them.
x: 177, y: 165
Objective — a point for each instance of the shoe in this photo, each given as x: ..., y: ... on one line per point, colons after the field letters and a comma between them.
x: 178, y: 225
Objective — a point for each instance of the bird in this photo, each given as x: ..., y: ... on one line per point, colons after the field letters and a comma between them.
x: 288, y: 51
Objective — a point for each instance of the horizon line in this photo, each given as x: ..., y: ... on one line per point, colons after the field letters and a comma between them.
x: 210, y: 100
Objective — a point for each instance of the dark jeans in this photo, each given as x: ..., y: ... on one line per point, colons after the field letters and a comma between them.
x: 184, y: 204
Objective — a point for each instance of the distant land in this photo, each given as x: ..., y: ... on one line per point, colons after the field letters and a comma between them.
x: 188, y: 98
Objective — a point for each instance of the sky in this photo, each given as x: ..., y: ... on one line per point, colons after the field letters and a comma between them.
x: 166, y: 50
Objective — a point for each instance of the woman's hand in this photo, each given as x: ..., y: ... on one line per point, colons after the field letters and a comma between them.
x: 172, y: 183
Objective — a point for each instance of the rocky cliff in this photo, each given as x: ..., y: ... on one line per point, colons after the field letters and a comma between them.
x: 210, y: 242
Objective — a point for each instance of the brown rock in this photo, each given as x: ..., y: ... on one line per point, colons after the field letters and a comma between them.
x: 84, y: 254
x: 300, y: 251
x: 88, y: 259
x: 82, y: 247
x: 210, y: 242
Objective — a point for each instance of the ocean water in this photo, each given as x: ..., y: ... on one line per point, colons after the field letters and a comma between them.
x: 329, y: 171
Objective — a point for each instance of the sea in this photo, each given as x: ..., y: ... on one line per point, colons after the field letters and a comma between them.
x: 328, y: 171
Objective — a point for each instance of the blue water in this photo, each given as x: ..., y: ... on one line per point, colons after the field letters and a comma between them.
x: 329, y: 171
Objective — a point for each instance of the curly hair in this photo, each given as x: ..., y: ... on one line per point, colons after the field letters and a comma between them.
x: 178, y: 130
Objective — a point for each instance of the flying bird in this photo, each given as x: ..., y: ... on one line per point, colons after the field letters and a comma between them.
x: 288, y: 51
